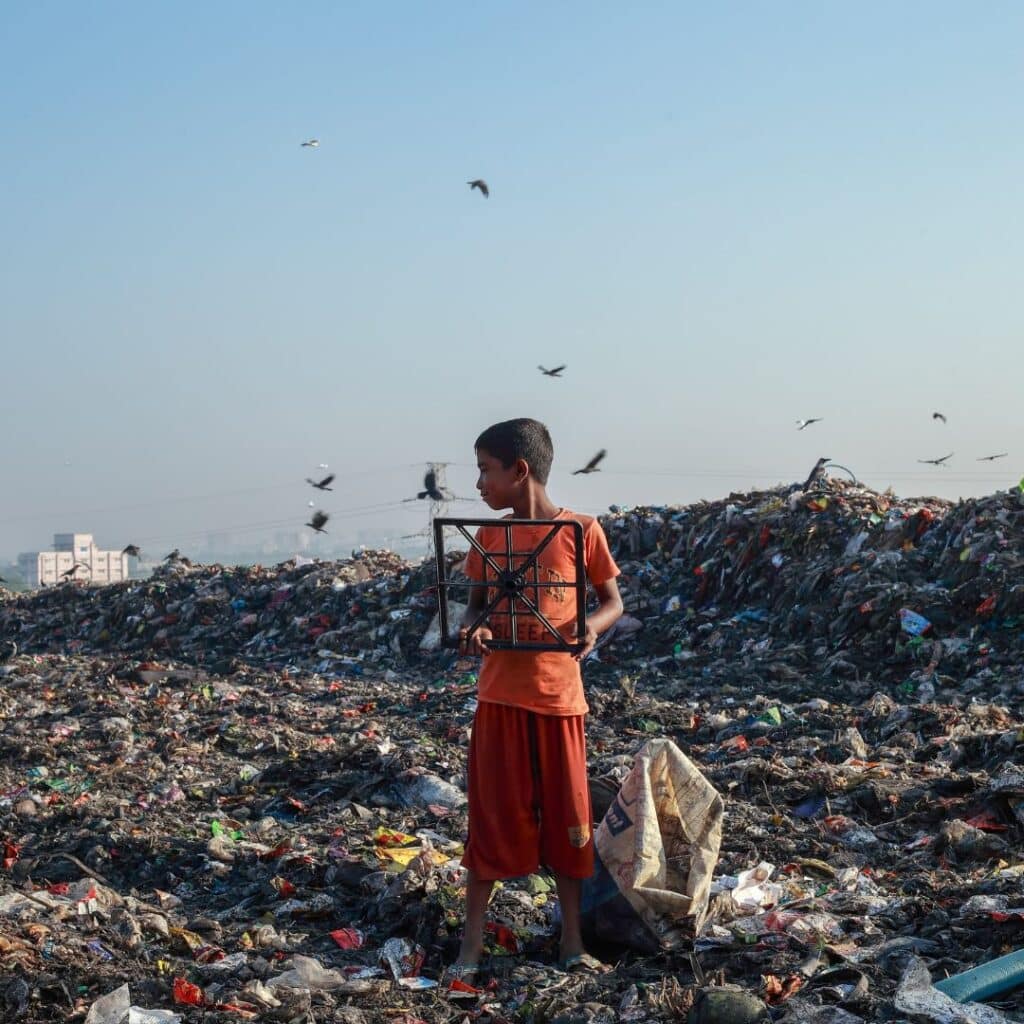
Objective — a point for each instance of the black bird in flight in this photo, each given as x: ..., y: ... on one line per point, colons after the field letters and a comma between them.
x: 430, y: 488
x: 132, y: 550
x: 992, y: 458
x: 318, y: 522
x: 938, y: 416
x: 69, y: 574
x: 801, y: 424
x: 555, y: 371
x: 592, y: 465
x: 937, y: 462
x: 819, y: 469
x: 323, y: 484
x: 312, y: 143
x: 480, y: 184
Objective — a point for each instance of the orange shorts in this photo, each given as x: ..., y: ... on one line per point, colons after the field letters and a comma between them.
x: 529, y: 802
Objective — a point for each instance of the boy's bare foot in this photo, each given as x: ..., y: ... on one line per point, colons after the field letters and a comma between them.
x: 582, y: 963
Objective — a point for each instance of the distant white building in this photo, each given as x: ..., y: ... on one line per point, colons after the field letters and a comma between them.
x: 44, y: 568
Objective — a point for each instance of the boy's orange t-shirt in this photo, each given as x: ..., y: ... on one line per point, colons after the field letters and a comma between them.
x: 548, y: 682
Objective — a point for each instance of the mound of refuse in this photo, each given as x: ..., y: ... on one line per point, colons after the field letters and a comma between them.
x: 239, y: 793
x: 853, y: 584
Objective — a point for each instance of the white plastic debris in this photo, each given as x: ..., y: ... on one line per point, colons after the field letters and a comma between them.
x: 916, y: 995
x: 116, y: 1008
x: 138, y: 1015
x: 426, y: 789
x: 307, y: 973
x: 432, y: 637
x: 753, y: 890
x: 111, y: 1008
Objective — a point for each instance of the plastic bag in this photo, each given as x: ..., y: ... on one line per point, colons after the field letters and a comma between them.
x: 659, y: 843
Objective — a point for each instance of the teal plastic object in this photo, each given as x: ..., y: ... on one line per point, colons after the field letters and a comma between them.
x: 988, y: 980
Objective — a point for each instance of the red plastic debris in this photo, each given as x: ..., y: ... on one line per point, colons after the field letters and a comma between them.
x: 187, y: 993
x: 503, y: 936
x: 348, y: 938
x: 283, y: 886
x: 987, y: 822
x: 278, y: 851
x: 11, y: 851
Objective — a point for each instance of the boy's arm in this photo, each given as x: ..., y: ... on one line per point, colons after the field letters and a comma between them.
x: 477, y: 643
x: 608, y: 612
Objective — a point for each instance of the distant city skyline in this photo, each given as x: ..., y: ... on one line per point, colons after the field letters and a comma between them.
x: 721, y: 219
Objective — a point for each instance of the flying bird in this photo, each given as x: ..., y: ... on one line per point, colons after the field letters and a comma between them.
x: 480, y: 184
x: 555, y: 371
x: 801, y: 424
x: 323, y: 484
x: 318, y: 521
x: 312, y: 143
x: 323, y: 465
x: 992, y: 458
x: 430, y: 487
x: 68, y: 574
x: 592, y: 465
x: 132, y: 550
x: 938, y: 416
x: 937, y: 462
x: 819, y: 469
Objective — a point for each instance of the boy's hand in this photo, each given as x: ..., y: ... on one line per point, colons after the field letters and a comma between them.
x: 475, y: 644
x: 588, y: 639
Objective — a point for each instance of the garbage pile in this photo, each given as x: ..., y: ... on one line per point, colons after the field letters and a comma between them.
x: 841, y: 583
x: 285, y: 847
x: 373, y: 606
x: 920, y: 591
x: 205, y: 820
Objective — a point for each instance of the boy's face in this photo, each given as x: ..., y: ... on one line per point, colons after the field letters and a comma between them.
x: 498, y: 485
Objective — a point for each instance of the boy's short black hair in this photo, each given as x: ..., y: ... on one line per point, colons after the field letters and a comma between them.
x: 520, y: 439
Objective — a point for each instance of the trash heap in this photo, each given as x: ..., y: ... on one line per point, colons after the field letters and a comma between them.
x: 837, y: 583
x: 920, y: 590
x: 368, y: 607
x: 207, y: 814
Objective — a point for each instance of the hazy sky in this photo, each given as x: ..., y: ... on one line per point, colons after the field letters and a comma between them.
x: 722, y: 217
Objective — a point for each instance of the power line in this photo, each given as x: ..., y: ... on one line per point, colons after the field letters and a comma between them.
x: 210, y: 496
x: 269, y: 524
x: 777, y: 474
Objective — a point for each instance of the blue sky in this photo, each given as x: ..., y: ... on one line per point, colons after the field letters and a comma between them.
x: 721, y: 217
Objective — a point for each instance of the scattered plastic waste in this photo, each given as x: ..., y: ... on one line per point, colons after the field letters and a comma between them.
x: 239, y: 792
x: 917, y: 995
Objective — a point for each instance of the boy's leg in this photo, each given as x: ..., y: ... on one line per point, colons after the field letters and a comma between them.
x: 569, y: 898
x: 478, y: 894
x: 567, y: 844
x: 504, y: 836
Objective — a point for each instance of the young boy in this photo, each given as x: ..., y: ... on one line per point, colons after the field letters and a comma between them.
x: 529, y: 801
